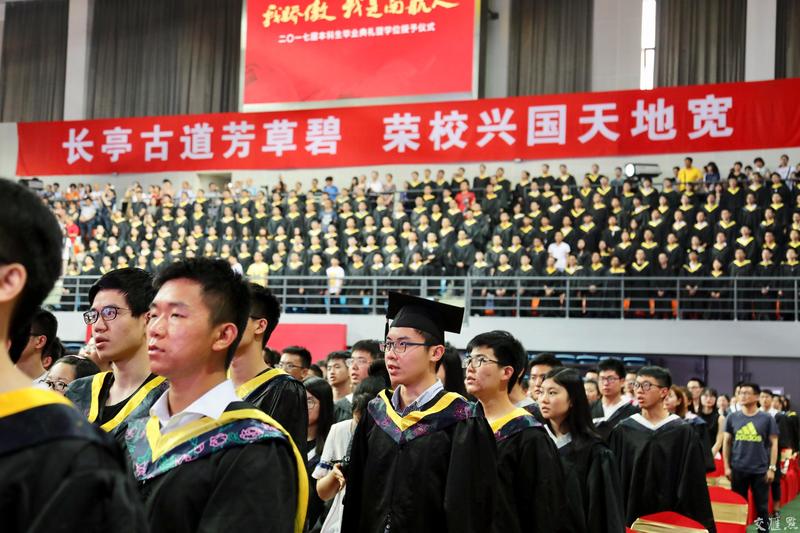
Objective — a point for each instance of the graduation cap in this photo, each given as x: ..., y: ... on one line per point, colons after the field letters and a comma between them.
x: 425, y: 315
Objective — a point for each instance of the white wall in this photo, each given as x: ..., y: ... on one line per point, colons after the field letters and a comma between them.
x: 616, y: 44
x: 759, y: 58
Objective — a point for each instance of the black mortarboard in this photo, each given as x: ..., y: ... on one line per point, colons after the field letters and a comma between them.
x: 425, y: 315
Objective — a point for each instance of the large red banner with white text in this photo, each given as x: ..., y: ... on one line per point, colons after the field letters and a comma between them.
x: 675, y: 120
x: 315, y: 50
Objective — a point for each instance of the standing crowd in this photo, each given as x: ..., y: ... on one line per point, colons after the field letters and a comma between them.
x: 193, y: 424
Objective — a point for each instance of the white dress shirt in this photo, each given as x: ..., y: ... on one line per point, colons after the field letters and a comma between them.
x: 211, y: 404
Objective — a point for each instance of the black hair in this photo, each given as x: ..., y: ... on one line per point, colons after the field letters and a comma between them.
x: 263, y: 304
x: 83, y: 366
x: 304, y: 354
x: 360, y: 402
x: 688, y: 159
x: 315, y: 371
x: 507, y: 349
x: 754, y: 386
x: 612, y: 364
x: 44, y: 323
x: 698, y: 380
x: 545, y: 358
x: 134, y: 283
x: 56, y: 351
x: 579, y: 417
x: 37, y: 248
x: 225, y: 294
x: 370, y: 346
x: 709, y: 391
x: 319, y: 389
x: 342, y: 355
x: 453, y: 371
x: 371, y: 385
x: 271, y: 357
x: 766, y: 391
x: 662, y: 375
x: 377, y: 369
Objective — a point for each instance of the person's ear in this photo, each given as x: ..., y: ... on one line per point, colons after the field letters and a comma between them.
x: 47, y: 362
x: 12, y: 281
x: 226, y: 335
x: 437, y: 353
x: 261, y: 326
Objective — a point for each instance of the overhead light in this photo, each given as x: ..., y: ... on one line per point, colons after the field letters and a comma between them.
x: 641, y: 170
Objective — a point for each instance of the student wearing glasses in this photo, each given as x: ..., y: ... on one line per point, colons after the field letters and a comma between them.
x: 295, y: 361
x: 66, y: 370
x: 660, y: 458
x: 362, y: 354
x: 422, y: 458
x: 119, y: 303
x: 272, y: 390
x: 531, y: 481
x: 613, y: 406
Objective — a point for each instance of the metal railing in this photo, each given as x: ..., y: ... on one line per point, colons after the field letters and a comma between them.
x: 682, y: 298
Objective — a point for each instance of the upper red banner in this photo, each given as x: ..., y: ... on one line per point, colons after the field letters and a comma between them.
x: 313, y: 50
x: 690, y: 119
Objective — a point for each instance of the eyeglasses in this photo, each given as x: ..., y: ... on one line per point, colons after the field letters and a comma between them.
x: 108, y: 313
x: 400, y: 346
x: 477, y: 361
x: 608, y: 379
x: 646, y: 385
x: 311, y: 403
x: 288, y: 367
x: 58, y: 385
x: 360, y: 361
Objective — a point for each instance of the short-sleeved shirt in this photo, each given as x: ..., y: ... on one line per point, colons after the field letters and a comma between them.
x: 751, y: 441
x: 336, y: 447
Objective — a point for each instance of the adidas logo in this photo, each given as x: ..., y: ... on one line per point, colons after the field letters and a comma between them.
x: 748, y: 433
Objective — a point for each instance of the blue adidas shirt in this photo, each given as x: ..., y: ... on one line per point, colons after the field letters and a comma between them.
x: 751, y: 444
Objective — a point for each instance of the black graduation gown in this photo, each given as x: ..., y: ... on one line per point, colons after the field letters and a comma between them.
x: 592, y: 487
x: 462, y: 252
x: 280, y: 396
x: 788, y: 271
x: 58, y: 472
x: 90, y: 395
x: 431, y: 473
x: 238, y: 473
x: 604, y: 426
x: 640, y: 290
x: 530, y: 488
x: 662, y: 470
x: 742, y: 288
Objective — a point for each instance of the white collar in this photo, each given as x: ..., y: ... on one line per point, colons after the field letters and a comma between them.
x: 638, y: 418
x: 609, y: 410
x: 561, y: 441
x: 211, y: 405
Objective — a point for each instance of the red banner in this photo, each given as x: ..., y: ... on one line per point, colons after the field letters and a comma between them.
x: 313, y: 50
x: 689, y: 119
x: 319, y: 339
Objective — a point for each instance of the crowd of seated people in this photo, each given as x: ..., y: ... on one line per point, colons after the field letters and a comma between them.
x: 693, y: 224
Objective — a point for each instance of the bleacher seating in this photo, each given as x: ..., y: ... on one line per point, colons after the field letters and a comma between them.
x: 555, y: 227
